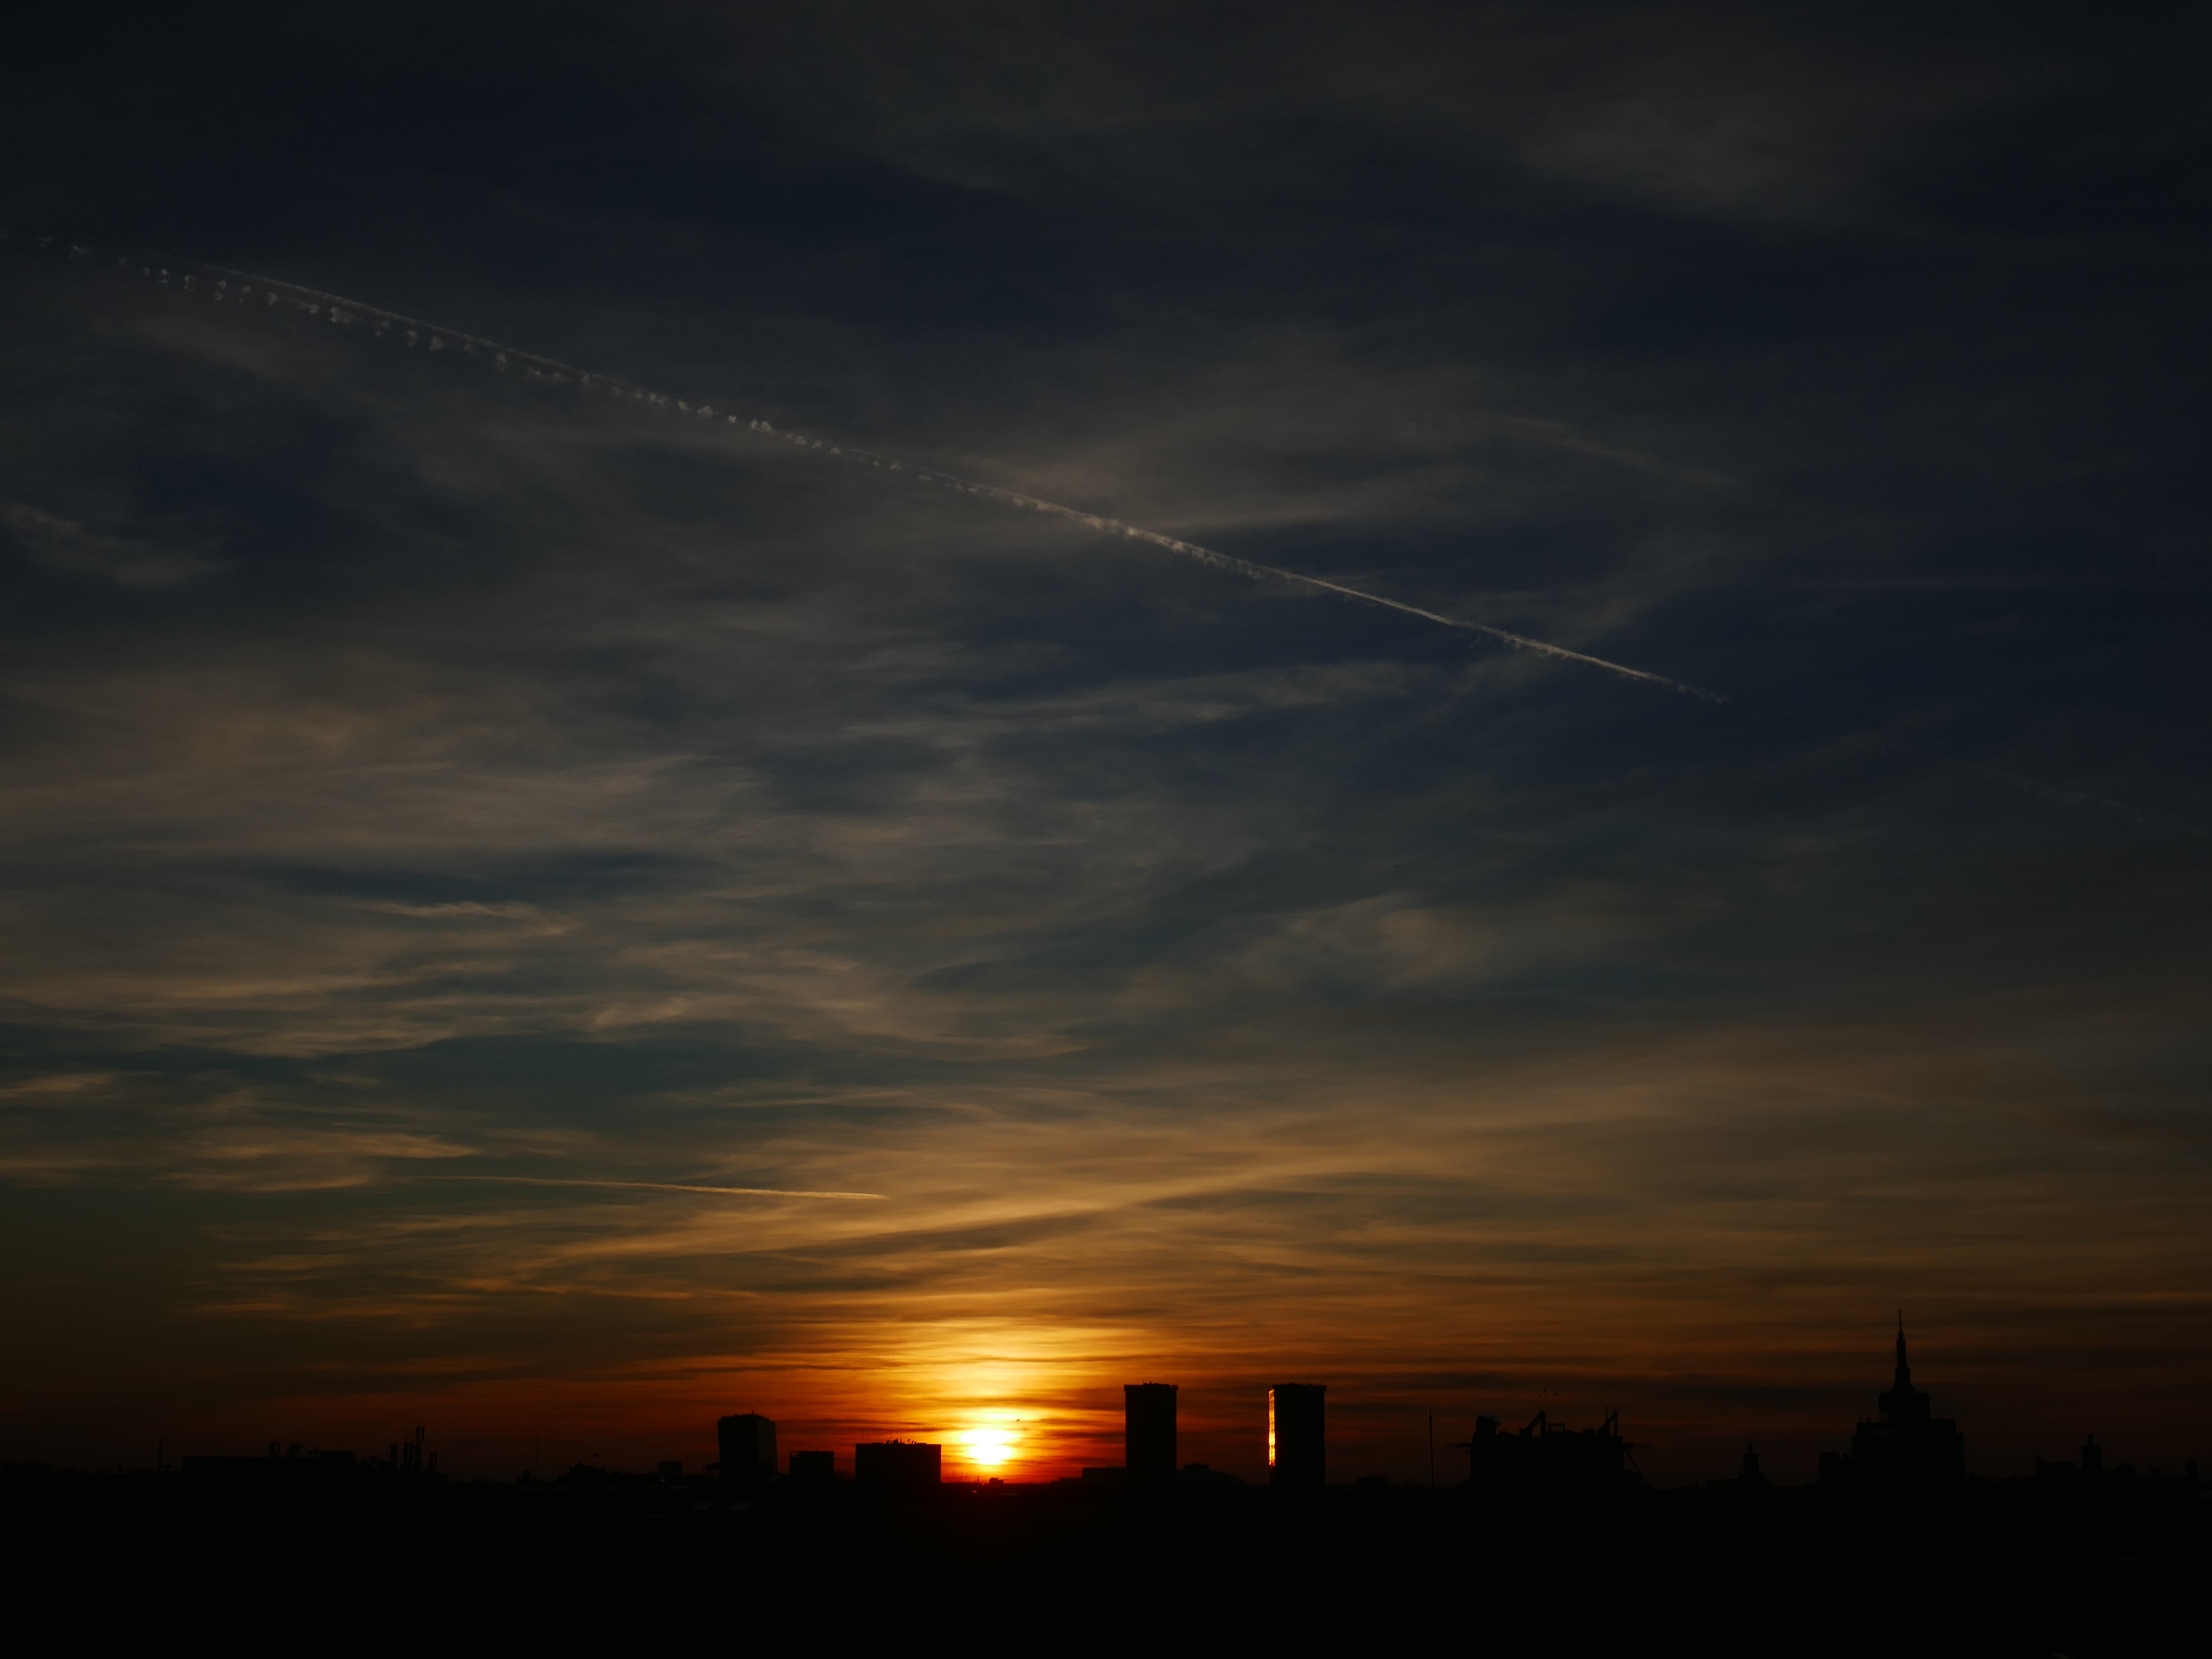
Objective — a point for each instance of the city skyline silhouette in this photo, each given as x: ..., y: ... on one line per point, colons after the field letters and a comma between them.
x: 1903, y: 1448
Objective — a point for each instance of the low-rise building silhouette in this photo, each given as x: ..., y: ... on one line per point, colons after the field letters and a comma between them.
x: 897, y: 1463
x: 293, y: 1467
x: 1551, y: 1456
x: 1298, y: 1435
x: 1148, y: 1425
x: 1907, y: 1446
x: 748, y: 1447
x: 278, y: 1470
x: 2093, y: 1463
x: 1201, y: 1475
x: 2092, y: 1474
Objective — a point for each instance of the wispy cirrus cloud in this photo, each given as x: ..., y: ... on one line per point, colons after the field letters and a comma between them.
x: 68, y: 549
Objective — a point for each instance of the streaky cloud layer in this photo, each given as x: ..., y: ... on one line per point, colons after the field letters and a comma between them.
x: 655, y: 1186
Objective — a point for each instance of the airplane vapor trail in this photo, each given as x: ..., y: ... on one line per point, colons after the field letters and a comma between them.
x: 265, y: 293
x: 2054, y: 792
x: 657, y: 1187
x: 1221, y: 560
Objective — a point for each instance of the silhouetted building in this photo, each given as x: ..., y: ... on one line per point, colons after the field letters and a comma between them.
x: 815, y: 1466
x: 1108, y: 1474
x: 748, y: 1447
x: 1198, y: 1474
x: 669, y: 1471
x: 1750, y: 1475
x: 1149, y: 1432
x: 897, y: 1463
x: 239, y: 1471
x: 1549, y: 1455
x: 1298, y: 1435
x: 281, y: 1469
x: 1907, y: 1446
x: 2093, y: 1463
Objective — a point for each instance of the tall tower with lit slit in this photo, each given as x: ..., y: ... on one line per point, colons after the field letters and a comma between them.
x: 1297, y: 1436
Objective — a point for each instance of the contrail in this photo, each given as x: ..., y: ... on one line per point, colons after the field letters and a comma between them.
x: 224, y: 285
x: 657, y: 1187
x: 1227, y: 561
x: 247, y: 289
x: 2054, y: 792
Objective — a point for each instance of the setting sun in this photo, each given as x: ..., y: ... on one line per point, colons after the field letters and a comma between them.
x: 991, y: 1445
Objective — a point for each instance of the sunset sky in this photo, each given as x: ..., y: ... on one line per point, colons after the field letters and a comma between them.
x: 453, y: 826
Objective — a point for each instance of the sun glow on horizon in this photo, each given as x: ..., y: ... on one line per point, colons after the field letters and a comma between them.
x: 992, y: 1445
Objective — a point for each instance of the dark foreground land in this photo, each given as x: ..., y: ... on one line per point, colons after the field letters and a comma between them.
x: 1997, y: 1568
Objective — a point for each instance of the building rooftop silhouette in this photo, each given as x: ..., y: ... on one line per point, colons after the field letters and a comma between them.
x: 897, y: 1463
x: 1149, y: 1432
x: 1297, y: 1436
x: 1546, y: 1453
x: 1907, y: 1446
x: 747, y: 1444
